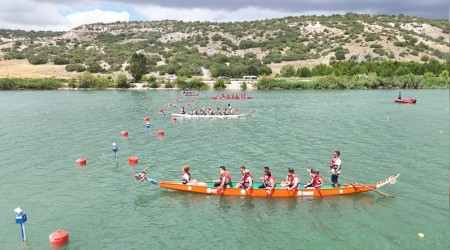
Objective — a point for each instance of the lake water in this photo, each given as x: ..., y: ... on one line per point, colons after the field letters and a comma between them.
x: 42, y: 133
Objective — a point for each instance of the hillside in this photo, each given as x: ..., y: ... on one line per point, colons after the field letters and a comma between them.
x: 232, y: 49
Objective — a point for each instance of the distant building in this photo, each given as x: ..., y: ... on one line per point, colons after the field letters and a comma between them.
x: 250, y: 78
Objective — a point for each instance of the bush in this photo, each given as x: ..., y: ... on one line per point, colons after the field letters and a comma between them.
x: 244, y: 86
x: 75, y: 67
x: 122, y: 81
x: 219, y: 84
x: 95, y: 68
x: 61, y: 61
x: 37, y: 59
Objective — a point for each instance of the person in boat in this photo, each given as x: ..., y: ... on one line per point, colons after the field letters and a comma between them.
x: 269, y: 182
x: 141, y: 176
x: 399, y: 95
x: 194, y: 111
x: 210, y: 111
x: 247, y: 181
x: 239, y: 184
x: 230, y: 109
x: 185, y: 175
x: 218, y: 111
x: 225, y: 178
x: 316, y: 179
x: 182, y: 111
x: 225, y: 111
x: 335, y: 168
x: 202, y: 111
x: 266, y: 169
x: 292, y: 180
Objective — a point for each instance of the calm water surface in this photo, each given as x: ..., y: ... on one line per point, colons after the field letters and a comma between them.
x: 103, y: 207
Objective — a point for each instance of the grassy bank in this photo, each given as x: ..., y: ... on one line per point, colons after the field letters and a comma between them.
x: 30, y: 83
x: 355, y: 82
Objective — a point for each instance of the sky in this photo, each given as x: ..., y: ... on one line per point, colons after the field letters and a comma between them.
x: 63, y: 15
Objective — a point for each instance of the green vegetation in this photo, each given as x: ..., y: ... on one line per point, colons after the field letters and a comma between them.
x: 356, y: 82
x: 35, y: 84
x: 187, y: 49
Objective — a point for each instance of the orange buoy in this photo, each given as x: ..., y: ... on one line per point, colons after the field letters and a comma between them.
x: 81, y: 161
x: 59, y: 238
x: 124, y: 133
x: 160, y: 132
x: 174, y: 119
x: 160, y: 111
x: 133, y: 160
x: 146, y: 118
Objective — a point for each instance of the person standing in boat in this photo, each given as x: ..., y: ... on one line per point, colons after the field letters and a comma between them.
x: 225, y: 178
x: 185, y: 175
x: 230, y: 109
x: 292, y: 180
x: 399, y: 95
x: 335, y: 168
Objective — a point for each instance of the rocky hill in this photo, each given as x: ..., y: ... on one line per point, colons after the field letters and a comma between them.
x: 233, y: 48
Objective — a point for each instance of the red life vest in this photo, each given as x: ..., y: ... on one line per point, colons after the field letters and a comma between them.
x: 333, y: 162
x: 291, y: 179
x: 245, y: 180
x: 227, y: 177
x: 267, y: 181
x: 316, y: 181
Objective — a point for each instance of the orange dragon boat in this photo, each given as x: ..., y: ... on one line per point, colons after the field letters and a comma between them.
x: 325, y: 190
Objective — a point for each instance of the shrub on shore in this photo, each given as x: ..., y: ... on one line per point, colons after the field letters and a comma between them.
x: 30, y: 83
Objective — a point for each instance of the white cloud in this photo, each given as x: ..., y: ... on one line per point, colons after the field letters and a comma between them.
x: 152, y: 13
x: 97, y: 16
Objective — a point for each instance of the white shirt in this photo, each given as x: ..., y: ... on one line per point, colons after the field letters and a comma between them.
x: 186, y: 177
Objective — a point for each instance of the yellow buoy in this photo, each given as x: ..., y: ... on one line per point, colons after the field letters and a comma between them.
x: 421, y: 235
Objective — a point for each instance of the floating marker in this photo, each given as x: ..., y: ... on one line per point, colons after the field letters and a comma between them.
x: 124, y: 133
x: 160, y: 132
x: 421, y: 235
x: 58, y: 238
x: 146, y: 119
x: 147, y: 125
x: 160, y: 110
x: 21, y: 218
x: 132, y: 160
x: 115, y: 149
x: 174, y: 119
x: 81, y: 161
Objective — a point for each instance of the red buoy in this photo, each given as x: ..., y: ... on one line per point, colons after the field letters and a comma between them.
x: 59, y: 238
x: 176, y: 100
x: 124, y: 133
x: 160, y: 111
x: 81, y: 161
x: 133, y: 160
x: 187, y: 104
x: 169, y: 104
x: 174, y: 119
x: 160, y: 132
x: 146, y: 118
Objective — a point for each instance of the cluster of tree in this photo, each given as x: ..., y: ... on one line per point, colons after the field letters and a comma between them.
x: 30, y: 83
x: 350, y: 68
x: 356, y: 82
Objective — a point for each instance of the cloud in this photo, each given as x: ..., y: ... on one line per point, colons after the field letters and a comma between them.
x: 97, y: 16
x: 154, y: 12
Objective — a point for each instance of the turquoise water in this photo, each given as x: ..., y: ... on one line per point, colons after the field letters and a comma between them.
x: 104, y: 207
